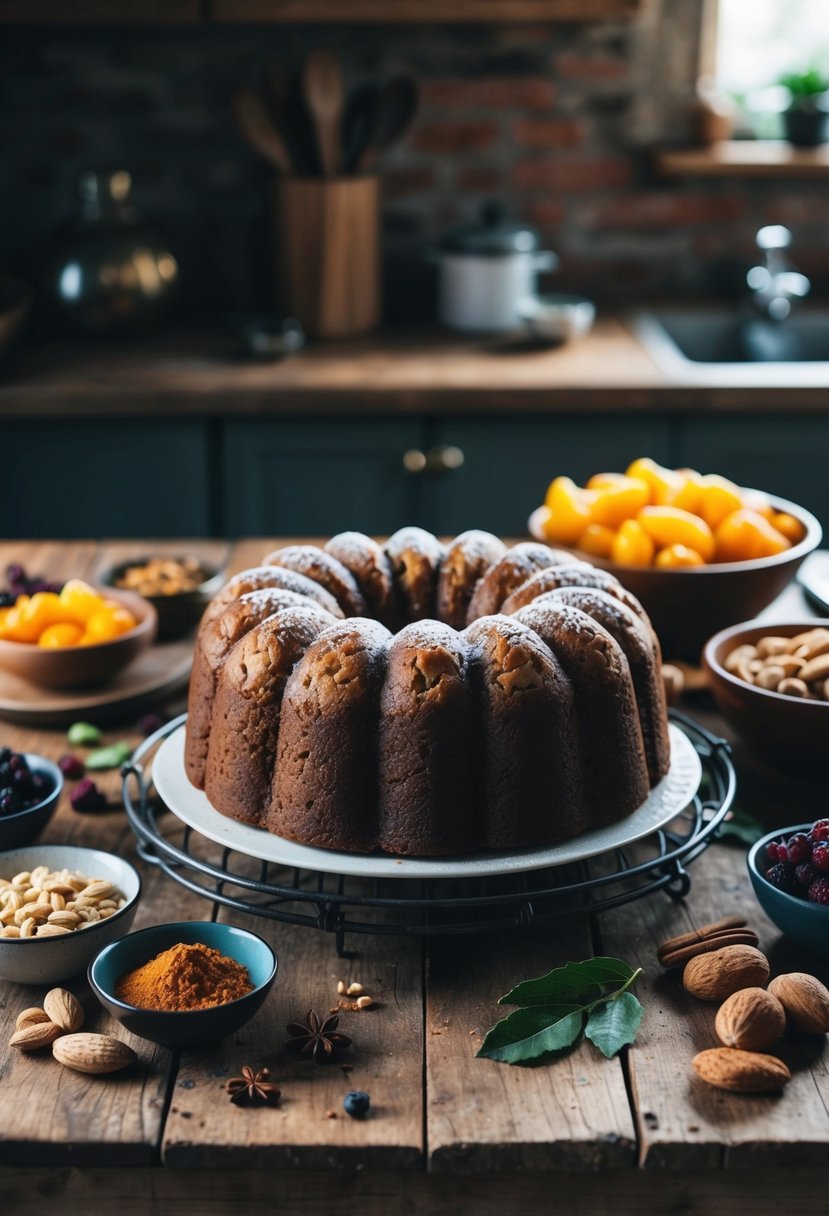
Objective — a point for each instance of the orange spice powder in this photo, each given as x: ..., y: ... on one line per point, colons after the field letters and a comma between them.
x: 185, y: 977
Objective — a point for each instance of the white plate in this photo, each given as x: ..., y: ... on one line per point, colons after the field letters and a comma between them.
x: 664, y: 803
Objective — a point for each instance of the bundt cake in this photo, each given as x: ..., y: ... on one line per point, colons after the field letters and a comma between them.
x: 426, y: 699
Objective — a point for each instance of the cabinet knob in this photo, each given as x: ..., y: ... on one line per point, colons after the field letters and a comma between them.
x: 414, y: 461
x: 445, y: 458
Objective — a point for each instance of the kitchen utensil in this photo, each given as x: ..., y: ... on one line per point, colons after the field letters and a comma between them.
x: 255, y: 124
x: 393, y: 114
x: 804, y: 922
x: 322, y: 89
x: 557, y: 318
x: 813, y: 577
x: 486, y: 269
x: 272, y: 337
x: 358, y: 120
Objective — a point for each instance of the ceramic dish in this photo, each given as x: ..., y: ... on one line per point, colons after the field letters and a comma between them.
x: 667, y: 800
x: 186, y: 1027
x: 24, y: 826
x: 686, y: 606
x: 83, y: 666
x: 804, y: 922
x: 177, y: 614
x: 49, y: 960
x: 790, y: 731
x: 557, y: 318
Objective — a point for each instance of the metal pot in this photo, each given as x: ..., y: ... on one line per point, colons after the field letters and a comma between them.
x: 486, y: 270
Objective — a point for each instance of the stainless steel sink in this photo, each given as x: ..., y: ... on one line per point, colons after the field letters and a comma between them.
x: 727, y: 346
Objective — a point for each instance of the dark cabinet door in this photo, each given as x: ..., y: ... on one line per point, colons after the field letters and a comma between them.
x: 788, y: 456
x: 508, y: 463
x: 318, y: 476
x: 104, y: 477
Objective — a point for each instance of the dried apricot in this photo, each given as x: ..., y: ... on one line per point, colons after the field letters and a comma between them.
x: 719, y: 498
x: 672, y: 526
x: 597, y: 540
x: 632, y: 546
x: 569, y: 511
x: 745, y: 535
x: 676, y: 556
x: 65, y: 633
x: 620, y: 500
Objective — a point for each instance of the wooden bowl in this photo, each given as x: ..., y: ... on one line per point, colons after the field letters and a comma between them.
x: 787, y: 731
x: 686, y: 606
x: 83, y: 666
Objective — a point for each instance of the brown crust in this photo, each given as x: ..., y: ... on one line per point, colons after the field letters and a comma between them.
x: 325, y: 570
x: 415, y: 556
x: 371, y: 569
x: 465, y: 562
x: 259, y: 577
x: 571, y: 574
x: 516, y: 566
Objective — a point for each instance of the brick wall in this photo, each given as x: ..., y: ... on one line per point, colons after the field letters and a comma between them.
x: 555, y: 120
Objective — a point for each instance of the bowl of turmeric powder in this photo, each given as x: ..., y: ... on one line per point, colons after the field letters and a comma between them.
x: 184, y: 983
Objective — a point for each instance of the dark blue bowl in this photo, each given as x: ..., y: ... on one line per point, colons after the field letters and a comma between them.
x: 804, y: 922
x: 25, y: 826
x: 185, y: 1028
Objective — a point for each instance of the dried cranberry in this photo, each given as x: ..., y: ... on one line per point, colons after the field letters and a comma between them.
x: 819, y: 830
x: 87, y: 798
x: 806, y: 874
x: 799, y: 848
x: 776, y: 851
x: 148, y: 724
x: 782, y: 876
x: 71, y: 767
x: 15, y: 573
x: 820, y: 857
x: 819, y: 891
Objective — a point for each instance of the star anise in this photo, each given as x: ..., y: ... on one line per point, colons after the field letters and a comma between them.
x: 316, y: 1037
x: 253, y: 1088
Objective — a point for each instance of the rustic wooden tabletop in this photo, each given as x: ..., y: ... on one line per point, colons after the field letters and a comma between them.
x: 448, y: 1132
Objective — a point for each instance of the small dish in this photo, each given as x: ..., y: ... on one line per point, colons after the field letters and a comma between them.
x: 49, y: 960
x: 804, y: 922
x: 555, y: 318
x: 186, y: 1027
x: 83, y: 666
x: 792, y: 733
x: 178, y: 613
x: 24, y: 826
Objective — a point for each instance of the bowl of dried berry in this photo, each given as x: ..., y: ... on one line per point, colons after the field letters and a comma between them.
x: 30, y: 787
x: 184, y: 983
x: 771, y: 683
x: 789, y: 871
x: 179, y: 588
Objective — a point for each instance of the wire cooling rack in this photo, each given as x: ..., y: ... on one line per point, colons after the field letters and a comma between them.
x: 341, y: 905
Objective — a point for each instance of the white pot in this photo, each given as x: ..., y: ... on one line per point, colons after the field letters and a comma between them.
x: 481, y: 293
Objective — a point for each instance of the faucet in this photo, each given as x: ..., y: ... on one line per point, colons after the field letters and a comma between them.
x: 776, y: 283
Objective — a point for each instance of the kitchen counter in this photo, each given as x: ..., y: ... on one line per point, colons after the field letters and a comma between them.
x: 406, y: 372
x: 447, y: 1132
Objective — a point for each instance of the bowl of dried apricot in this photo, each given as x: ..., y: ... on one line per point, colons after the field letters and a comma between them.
x: 75, y: 637
x: 771, y: 682
x: 699, y: 551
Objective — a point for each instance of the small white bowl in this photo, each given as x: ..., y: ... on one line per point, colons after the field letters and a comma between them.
x: 557, y: 317
x: 49, y: 960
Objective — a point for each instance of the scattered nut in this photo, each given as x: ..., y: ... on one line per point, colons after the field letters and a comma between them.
x: 35, y: 1035
x: 751, y: 1019
x: 63, y: 1009
x: 805, y: 1000
x: 30, y: 1017
x: 744, y: 1072
x: 93, y: 1053
x: 354, y: 990
x: 341, y: 987
x: 363, y: 1002
x: 674, y: 681
x: 715, y: 976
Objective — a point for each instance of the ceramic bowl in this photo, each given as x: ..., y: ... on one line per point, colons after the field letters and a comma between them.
x: 25, y: 826
x: 557, y: 318
x: 787, y: 730
x: 84, y: 666
x: 186, y: 1027
x: 804, y: 922
x: 50, y: 960
x: 686, y: 606
x: 177, y: 614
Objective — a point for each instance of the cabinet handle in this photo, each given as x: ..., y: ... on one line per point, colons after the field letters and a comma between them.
x: 414, y: 461
x: 445, y: 458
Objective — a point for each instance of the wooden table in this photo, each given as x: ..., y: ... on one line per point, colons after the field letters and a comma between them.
x: 448, y: 1133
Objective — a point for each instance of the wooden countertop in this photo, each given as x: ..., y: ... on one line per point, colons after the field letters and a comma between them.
x: 448, y: 1132
x: 390, y: 372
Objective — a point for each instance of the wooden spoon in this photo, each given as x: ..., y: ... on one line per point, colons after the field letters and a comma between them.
x: 322, y: 87
x: 259, y: 131
x: 396, y: 107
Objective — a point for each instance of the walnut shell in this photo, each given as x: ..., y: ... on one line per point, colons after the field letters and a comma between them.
x: 751, y: 1019
x: 743, y: 1072
x: 805, y: 1000
x: 714, y: 976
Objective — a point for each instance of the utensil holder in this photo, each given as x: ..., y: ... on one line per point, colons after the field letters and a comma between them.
x: 328, y: 253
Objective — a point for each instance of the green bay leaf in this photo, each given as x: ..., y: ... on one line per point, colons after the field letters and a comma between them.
x: 527, y: 1034
x: 574, y: 982
x: 614, y: 1023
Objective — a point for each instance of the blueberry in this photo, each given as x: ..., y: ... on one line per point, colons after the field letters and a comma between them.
x: 356, y: 1103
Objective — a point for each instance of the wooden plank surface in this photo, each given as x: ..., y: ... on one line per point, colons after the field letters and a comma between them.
x: 745, y: 158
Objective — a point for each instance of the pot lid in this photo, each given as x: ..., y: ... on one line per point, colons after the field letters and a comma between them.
x: 493, y: 235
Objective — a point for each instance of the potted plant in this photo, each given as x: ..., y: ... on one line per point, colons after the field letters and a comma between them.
x: 804, y: 119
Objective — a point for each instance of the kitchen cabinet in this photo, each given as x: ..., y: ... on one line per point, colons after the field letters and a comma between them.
x: 102, y: 477
x: 508, y: 462
x: 785, y: 455
x: 284, y: 476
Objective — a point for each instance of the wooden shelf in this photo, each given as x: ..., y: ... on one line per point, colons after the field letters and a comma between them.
x: 744, y: 158
x: 418, y: 11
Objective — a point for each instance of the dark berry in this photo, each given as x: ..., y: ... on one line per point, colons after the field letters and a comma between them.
x: 819, y: 891
x: 5, y: 755
x: 5, y: 771
x: 820, y: 857
x: 357, y: 1102
x: 22, y: 781
x: 776, y: 851
x: 806, y: 874
x: 9, y: 803
x: 87, y: 798
x: 782, y: 876
x: 15, y: 573
x: 71, y: 767
x: 17, y: 763
x: 799, y: 848
x: 149, y: 724
x: 819, y: 830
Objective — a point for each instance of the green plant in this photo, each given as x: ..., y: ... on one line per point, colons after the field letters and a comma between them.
x: 804, y: 88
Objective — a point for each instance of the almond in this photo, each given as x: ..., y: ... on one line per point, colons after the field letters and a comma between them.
x: 714, y: 976
x: 35, y: 1035
x: 30, y: 1017
x: 805, y: 1000
x: 751, y: 1019
x: 744, y: 1072
x: 93, y: 1053
x: 63, y: 1009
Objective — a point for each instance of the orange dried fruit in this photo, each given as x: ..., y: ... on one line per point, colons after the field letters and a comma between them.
x: 569, y: 511
x: 745, y: 535
x: 597, y: 540
x: 79, y: 601
x: 788, y: 526
x: 672, y: 526
x: 677, y: 556
x: 632, y: 546
x: 664, y: 484
x: 719, y: 498
x: 65, y: 633
x: 620, y: 500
